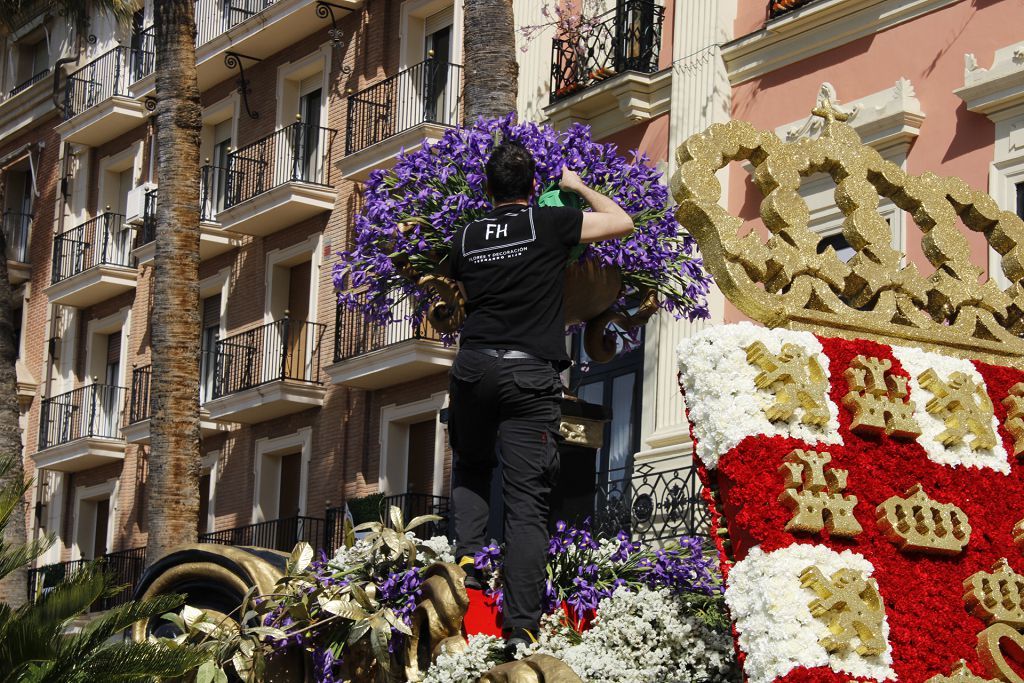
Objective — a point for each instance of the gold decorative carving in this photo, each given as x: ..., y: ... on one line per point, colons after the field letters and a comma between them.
x: 852, y: 607
x: 436, y: 623
x: 533, y: 669
x: 1018, y: 534
x: 960, y: 674
x: 795, y: 378
x: 991, y: 642
x: 996, y: 597
x: 963, y: 406
x: 814, y: 495
x: 878, y: 399
x: 1015, y: 416
x: 782, y: 280
x: 918, y: 523
x: 583, y: 432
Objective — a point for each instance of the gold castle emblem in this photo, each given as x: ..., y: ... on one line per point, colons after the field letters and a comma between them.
x: 795, y: 379
x: 815, y: 495
x: 996, y: 596
x: 1015, y: 416
x: 878, y: 399
x: 960, y: 674
x: 852, y: 608
x: 781, y: 280
x: 963, y: 406
x: 918, y: 523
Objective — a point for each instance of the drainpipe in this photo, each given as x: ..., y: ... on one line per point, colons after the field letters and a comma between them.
x: 56, y: 81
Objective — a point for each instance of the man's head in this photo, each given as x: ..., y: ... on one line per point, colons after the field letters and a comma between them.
x: 510, y: 173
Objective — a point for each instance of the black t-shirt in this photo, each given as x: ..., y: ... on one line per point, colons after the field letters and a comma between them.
x: 512, y: 266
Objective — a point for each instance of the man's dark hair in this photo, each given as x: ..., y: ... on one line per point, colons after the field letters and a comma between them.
x: 510, y: 172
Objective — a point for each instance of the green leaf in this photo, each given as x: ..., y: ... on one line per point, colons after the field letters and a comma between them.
x: 344, y: 608
x: 396, y: 516
x: 207, y: 673
x: 300, y: 558
x: 191, y: 615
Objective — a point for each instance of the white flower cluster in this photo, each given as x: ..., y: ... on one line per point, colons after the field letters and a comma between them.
x: 359, y: 554
x: 466, y: 666
x: 442, y: 548
x: 916, y: 362
x: 725, y: 406
x: 776, y: 629
x: 640, y: 637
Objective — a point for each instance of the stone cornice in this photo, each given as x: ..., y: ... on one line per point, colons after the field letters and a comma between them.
x: 998, y: 91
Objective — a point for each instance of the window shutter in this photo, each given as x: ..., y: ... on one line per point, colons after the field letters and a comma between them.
x: 436, y: 22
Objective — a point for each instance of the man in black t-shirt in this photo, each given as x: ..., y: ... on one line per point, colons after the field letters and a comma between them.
x: 505, y: 387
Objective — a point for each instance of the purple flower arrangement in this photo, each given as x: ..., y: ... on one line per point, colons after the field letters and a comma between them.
x: 411, y: 212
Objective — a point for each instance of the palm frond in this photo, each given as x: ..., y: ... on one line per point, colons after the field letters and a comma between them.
x: 130, y: 661
x: 63, y: 602
x: 12, y: 494
x: 12, y: 558
x: 76, y: 12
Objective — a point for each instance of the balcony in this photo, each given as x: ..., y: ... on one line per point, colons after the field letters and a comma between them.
x: 125, y: 566
x: 97, y: 103
x: 609, y: 76
x: 279, y: 181
x: 267, y: 372
x: 93, y: 262
x: 28, y: 83
x: 277, y: 534
x: 399, y: 113
x: 779, y: 7
x: 81, y: 429
x: 213, y: 240
x: 368, y: 355
x: 137, y: 421
x: 16, y: 229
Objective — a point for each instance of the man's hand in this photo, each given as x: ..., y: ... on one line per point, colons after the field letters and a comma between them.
x: 571, y: 181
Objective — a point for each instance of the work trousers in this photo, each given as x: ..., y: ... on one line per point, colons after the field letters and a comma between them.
x: 508, y: 409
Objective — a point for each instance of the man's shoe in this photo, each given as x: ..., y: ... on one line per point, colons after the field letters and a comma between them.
x: 474, y: 578
x: 516, y: 637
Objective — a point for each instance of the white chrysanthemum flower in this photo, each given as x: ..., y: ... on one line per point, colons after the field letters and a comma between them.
x: 442, y: 548
x: 462, y: 667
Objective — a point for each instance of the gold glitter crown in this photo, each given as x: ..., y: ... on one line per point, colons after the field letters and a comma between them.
x: 996, y: 596
x: 785, y: 282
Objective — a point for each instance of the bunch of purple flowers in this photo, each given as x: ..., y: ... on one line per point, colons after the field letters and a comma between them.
x: 582, y: 570
x: 411, y: 213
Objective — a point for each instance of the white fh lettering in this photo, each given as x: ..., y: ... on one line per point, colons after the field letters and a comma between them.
x: 500, y: 230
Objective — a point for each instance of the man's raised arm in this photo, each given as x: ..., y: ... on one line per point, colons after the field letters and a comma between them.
x: 607, y: 219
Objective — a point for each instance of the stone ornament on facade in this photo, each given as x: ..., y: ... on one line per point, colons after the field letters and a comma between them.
x: 853, y: 608
x: 996, y: 596
x: 815, y: 495
x: 878, y: 399
x: 1014, y: 404
x: 795, y: 378
x: 918, y: 523
x: 964, y: 407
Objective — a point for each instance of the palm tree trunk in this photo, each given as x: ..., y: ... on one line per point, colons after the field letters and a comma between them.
x: 13, y: 587
x: 172, y: 503
x: 489, y: 57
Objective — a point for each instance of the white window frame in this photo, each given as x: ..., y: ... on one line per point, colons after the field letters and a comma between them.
x: 211, y: 464
x: 91, y: 494
x: 412, y: 29
x: 289, y: 77
x: 301, y: 440
x: 290, y: 256
x: 111, y: 324
x: 125, y: 160
x: 394, y: 442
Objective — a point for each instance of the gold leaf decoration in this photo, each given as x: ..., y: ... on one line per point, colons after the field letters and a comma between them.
x: 918, y: 523
x: 815, y: 495
x: 852, y: 607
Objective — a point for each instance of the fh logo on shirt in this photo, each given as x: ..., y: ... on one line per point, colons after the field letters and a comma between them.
x: 490, y: 240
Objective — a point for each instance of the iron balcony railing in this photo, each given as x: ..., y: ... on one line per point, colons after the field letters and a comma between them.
x: 138, y: 404
x: 95, y: 410
x: 627, y: 38
x: 143, y: 54
x: 17, y: 227
x: 124, y: 567
x: 214, y: 17
x: 213, y: 191
x: 428, y: 92
x: 778, y: 7
x: 299, y: 152
x: 107, y: 76
x: 415, y: 504
x: 148, y: 232
x: 355, y: 334
x: 284, y: 350
x: 277, y: 534
x: 25, y: 85
x: 104, y: 240
x: 653, y: 502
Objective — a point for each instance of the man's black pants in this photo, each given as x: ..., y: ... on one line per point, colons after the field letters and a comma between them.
x: 514, y: 404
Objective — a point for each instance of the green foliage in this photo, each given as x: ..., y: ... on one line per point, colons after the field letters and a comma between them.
x: 37, y: 644
x: 365, y: 508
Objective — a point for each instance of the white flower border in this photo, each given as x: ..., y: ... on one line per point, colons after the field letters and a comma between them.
x: 776, y: 629
x: 916, y: 362
x: 724, y: 405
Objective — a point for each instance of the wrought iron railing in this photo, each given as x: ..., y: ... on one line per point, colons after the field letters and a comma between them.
x: 95, y: 410
x: 124, y: 567
x: 778, y: 7
x: 285, y: 349
x: 355, y: 334
x: 415, y: 504
x: 107, y: 76
x: 144, y: 54
x: 148, y: 232
x: 17, y: 227
x: 277, y: 534
x: 138, y: 404
x: 28, y: 83
x: 428, y: 92
x: 299, y: 152
x: 213, y: 191
x: 627, y: 38
x: 214, y: 17
x: 654, y: 502
x: 104, y: 240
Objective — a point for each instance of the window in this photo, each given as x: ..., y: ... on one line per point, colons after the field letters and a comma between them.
x: 33, y: 62
x: 210, y: 335
x: 94, y: 520
x: 1020, y: 199
x: 282, y: 469
x: 838, y: 242
x: 18, y: 198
